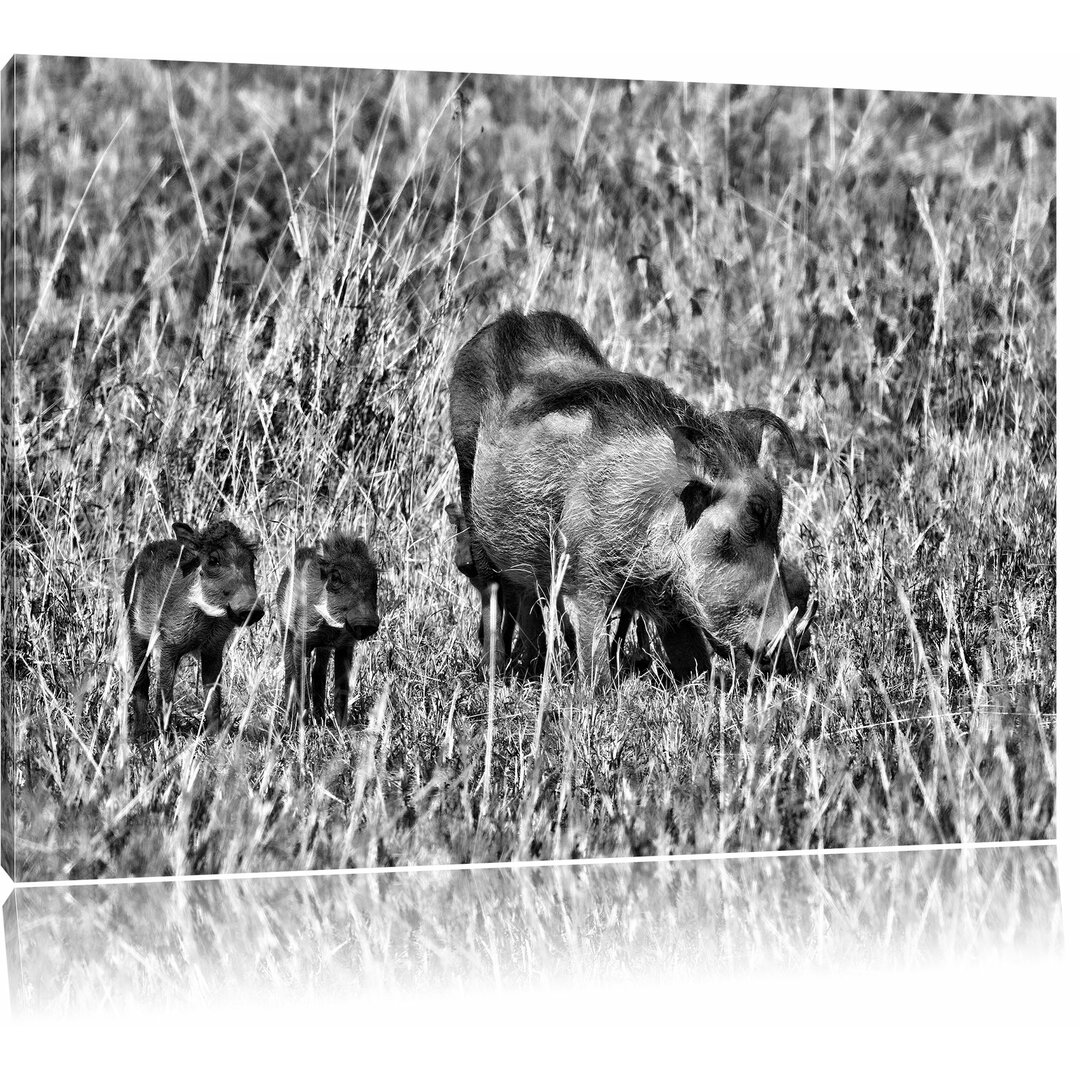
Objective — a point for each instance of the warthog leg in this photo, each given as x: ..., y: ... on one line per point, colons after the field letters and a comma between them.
x: 590, y: 614
x: 293, y: 693
x: 643, y: 661
x: 167, y: 660
x: 686, y: 648
x: 343, y: 662
x: 530, y: 624
x: 210, y: 663
x: 140, y: 698
x: 490, y: 615
x: 321, y: 661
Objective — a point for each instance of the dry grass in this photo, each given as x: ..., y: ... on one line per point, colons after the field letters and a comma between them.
x: 238, y: 291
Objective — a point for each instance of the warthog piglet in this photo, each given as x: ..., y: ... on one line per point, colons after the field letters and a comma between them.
x: 188, y: 595
x: 326, y: 603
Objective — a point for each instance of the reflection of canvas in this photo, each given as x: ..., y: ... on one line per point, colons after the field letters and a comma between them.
x: 77, y: 950
x: 239, y: 295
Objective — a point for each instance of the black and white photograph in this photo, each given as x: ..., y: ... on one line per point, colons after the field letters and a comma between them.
x: 507, y: 535
x: 413, y: 468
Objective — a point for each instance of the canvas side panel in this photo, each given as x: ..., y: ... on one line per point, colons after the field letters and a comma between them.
x: 7, y: 600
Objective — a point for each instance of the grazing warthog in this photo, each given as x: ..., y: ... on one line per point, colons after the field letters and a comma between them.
x: 547, y: 356
x: 327, y: 601
x: 513, y: 350
x: 188, y: 595
x: 659, y: 507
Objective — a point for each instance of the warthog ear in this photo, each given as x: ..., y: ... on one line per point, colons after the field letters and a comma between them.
x: 185, y: 534
x: 189, y: 553
x: 320, y: 559
x: 696, y: 497
x: 776, y: 457
x: 776, y: 452
x: 686, y: 451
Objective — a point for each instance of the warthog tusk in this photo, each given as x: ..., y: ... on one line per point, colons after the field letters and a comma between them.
x: 807, y: 619
x: 781, y: 634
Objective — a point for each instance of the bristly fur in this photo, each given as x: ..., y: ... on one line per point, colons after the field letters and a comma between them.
x: 220, y: 533
x: 340, y: 546
x: 515, y: 335
x: 621, y: 400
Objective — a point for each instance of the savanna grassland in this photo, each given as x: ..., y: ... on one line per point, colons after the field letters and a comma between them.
x: 237, y: 292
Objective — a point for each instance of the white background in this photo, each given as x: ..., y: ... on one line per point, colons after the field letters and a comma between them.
x: 973, y: 1022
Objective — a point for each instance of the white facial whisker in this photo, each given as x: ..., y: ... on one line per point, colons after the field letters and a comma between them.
x: 198, y: 598
x: 322, y: 609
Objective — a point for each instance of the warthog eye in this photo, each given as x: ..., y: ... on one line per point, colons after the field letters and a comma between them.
x: 333, y: 580
x: 725, y: 547
x: 213, y: 560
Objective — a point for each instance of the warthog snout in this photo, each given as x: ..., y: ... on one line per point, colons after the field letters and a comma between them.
x: 247, y: 615
x: 362, y: 628
x: 777, y: 657
x: 783, y: 652
x: 781, y: 634
x: 244, y: 605
x: 780, y: 656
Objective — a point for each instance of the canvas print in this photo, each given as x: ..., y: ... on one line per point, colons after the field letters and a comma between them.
x: 409, y: 468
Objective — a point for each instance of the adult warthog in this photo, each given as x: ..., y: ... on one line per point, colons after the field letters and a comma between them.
x: 557, y: 419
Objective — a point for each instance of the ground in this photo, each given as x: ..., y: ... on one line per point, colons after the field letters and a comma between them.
x: 238, y: 291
